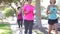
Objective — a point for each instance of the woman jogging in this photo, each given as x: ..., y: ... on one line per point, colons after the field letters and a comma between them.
x: 19, y: 17
x: 52, y: 17
x: 28, y: 16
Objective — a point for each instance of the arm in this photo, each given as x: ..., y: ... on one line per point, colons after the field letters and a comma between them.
x: 34, y: 11
x: 16, y: 13
x: 58, y: 12
x: 34, y: 14
x: 24, y: 9
x: 48, y: 10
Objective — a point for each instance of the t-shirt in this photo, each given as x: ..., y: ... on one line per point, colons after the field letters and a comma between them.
x: 20, y: 15
x: 30, y: 12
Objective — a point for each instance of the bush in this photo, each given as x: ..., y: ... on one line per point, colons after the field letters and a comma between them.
x: 44, y: 17
x: 9, y: 12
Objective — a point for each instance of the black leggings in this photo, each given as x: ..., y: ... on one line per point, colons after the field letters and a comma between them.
x: 20, y: 23
x: 28, y: 26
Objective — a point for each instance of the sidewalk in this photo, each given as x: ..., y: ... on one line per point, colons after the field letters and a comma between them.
x: 15, y: 29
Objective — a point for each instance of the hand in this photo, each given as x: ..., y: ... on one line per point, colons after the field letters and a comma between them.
x: 51, y: 12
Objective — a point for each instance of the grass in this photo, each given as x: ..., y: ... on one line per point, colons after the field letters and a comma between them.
x: 38, y: 32
x: 5, y: 29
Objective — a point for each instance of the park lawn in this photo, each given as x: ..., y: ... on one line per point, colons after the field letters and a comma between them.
x: 5, y: 29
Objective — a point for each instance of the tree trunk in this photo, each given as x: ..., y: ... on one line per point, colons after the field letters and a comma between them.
x: 38, y: 17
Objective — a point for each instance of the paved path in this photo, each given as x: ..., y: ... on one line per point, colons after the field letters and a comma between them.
x: 15, y: 28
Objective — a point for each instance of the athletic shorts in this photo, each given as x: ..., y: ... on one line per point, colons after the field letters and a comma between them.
x: 52, y: 21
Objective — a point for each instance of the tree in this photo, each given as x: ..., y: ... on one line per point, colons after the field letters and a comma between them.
x: 38, y: 17
x: 8, y: 3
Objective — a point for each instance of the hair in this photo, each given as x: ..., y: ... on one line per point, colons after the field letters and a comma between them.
x: 18, y: 8
x: 28, y: 0
x: 54, y: 2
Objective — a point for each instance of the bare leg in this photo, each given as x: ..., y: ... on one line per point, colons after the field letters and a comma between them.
x: 56, y: 28
x: 50, y: 29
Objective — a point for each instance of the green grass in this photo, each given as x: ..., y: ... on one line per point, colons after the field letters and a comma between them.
x: 5, y: 29
x: 37, y: 31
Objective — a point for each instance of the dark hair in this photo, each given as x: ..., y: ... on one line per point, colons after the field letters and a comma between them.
x: 54, y: 2
x: 18, y: 8
x: 28, y: 0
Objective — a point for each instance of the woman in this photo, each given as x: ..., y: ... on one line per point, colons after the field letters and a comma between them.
x: 28, y: 17
x: 19, y: 17
x: 52, y: 17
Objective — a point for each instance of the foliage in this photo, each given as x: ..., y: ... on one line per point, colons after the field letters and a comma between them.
x: 8, y: 1
x: 59, y: 7
x: 44, y: 17
x: 5, y: 29
x: 9, y: 12
x: 2, y: 7
x: 42, y: 8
